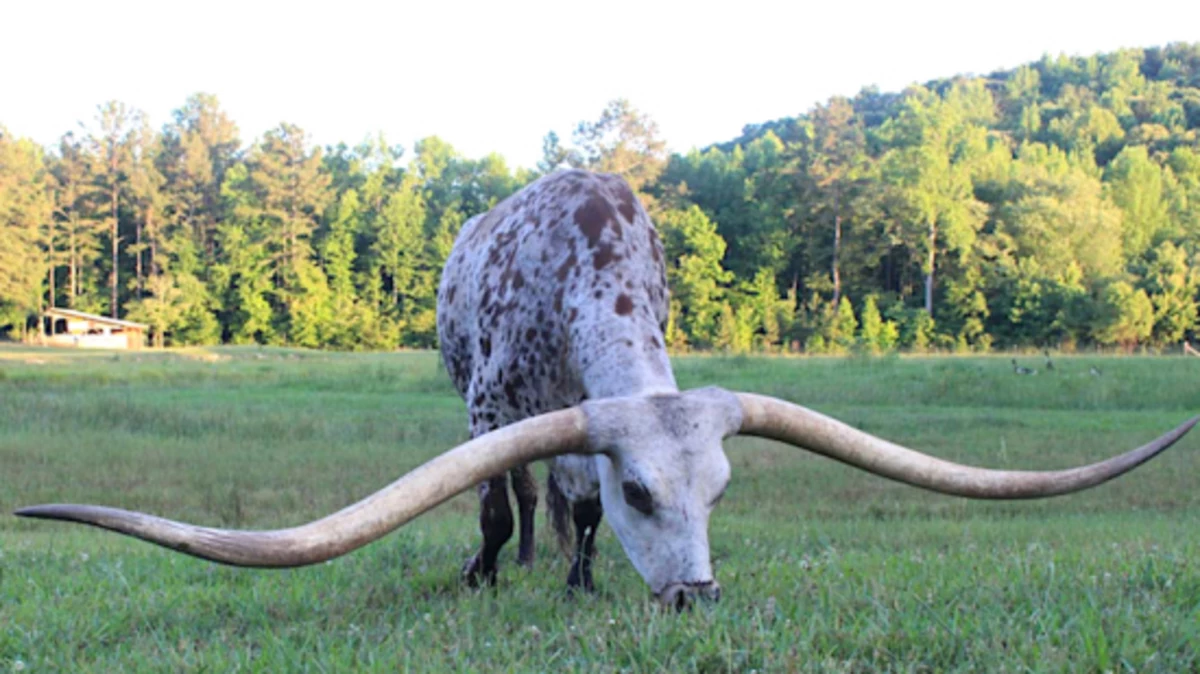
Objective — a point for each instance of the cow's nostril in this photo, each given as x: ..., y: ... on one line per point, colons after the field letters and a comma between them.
x: 677, y: 596
x: 682, y: 599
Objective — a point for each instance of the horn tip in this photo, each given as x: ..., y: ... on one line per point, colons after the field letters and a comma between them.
x: 31, y: 511
x: 53, y: 511
x: 1188, y: 425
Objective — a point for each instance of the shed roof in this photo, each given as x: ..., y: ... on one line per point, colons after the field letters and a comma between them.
x: 95, y: 318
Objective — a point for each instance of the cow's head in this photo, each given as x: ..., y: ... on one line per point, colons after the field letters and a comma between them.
x: 662, y: 469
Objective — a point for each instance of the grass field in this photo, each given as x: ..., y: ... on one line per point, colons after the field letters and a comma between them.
x: 824, y: 568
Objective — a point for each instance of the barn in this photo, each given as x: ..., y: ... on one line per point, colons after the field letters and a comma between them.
x: 67, y: 327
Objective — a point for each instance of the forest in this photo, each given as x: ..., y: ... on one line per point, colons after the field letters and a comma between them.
x: 1056, y: 205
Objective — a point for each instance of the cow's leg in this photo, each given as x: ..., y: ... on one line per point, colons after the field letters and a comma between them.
x: 526, y: 490
x: 495, y: 514
x: 587, y: 514
x: 496, y: 524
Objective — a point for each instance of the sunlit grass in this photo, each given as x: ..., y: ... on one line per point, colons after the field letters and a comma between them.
x: 824, y: 568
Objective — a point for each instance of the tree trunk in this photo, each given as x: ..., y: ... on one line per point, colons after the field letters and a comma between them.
x: 929, y: 273
x: 113, y: 231
x: 72, y: 271
x: 50, y: 276
x: 141, y: 287
x: 837, y: 245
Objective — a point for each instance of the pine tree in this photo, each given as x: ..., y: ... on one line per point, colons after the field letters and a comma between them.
x: 77, y: 205
x: 25, y: 211
x: 111, y: 151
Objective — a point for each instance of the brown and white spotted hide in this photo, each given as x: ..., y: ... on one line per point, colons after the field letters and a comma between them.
x: 556, y: 295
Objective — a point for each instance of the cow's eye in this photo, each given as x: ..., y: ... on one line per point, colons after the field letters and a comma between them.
x: 638, y: 497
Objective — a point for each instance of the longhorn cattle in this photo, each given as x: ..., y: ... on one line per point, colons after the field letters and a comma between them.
x: 551, y: 312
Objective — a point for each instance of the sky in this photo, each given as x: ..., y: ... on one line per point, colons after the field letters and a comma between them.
x: 497, y: 76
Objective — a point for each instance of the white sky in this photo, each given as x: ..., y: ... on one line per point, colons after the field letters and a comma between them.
x: 496, y: 76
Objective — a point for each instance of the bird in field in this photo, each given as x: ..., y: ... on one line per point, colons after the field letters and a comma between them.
x: 1020, y: 369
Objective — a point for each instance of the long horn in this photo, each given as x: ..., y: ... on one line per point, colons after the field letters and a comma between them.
x: 776, y: 419
x: 437, y: 480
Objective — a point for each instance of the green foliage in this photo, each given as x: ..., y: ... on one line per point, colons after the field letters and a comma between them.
x: 874, y: 335
x: 915, y: 327
x: 1136, y: 186
x: 1008, y: 207
x: 693, y: 251
x: 1125, y: 315
x: 25, y: 230
x: 623, y: 140
x: 843, y: 327
x: 1171, y: 282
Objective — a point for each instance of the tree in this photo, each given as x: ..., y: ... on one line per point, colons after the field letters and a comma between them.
x: 1136, y: 185
x: 766, y: 308
x: 25, y: 214
x: 199, y: 147
x: 693, y: 252
x: 1125, y: 315
x: 837, y: 162
x: 874, y: 334
x: 1171, y: 284
x: 276, y: 202
x: 1053, y: 211
x: 622, y: 141
x: 111, y: 148
x: 160, y: 307
x: 398, y: 243
x: 149, y: 200
x: 554, y: 154
x: 842, y: 328
x: 928, y: 169
x: 76, y: 207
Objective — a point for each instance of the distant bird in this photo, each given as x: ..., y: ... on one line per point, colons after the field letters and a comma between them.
x: 1049, y: 363
x: 1021, y: 370
x: 1094, y: 371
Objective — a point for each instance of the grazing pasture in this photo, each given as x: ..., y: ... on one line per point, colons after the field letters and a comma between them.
x: 823, y: 567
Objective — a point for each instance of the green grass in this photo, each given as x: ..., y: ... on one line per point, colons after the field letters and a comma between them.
x: 824, y: 568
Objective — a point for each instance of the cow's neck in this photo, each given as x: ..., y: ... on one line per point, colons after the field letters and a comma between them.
x: 625, y: 366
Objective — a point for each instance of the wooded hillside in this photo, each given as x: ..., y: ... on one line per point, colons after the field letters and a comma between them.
x: 1054, y: 205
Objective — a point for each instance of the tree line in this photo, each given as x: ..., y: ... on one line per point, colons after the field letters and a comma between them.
x: 1054, y: 205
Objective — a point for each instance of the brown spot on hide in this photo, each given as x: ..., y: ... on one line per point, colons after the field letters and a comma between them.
x: 566, y: 266
x: 603, y: 256
x: 518, y: 281
x: 592, y: 216
x: 625, y: 195
x: 558, y: 300
x: 624, y: 305
x: 450, y: 293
